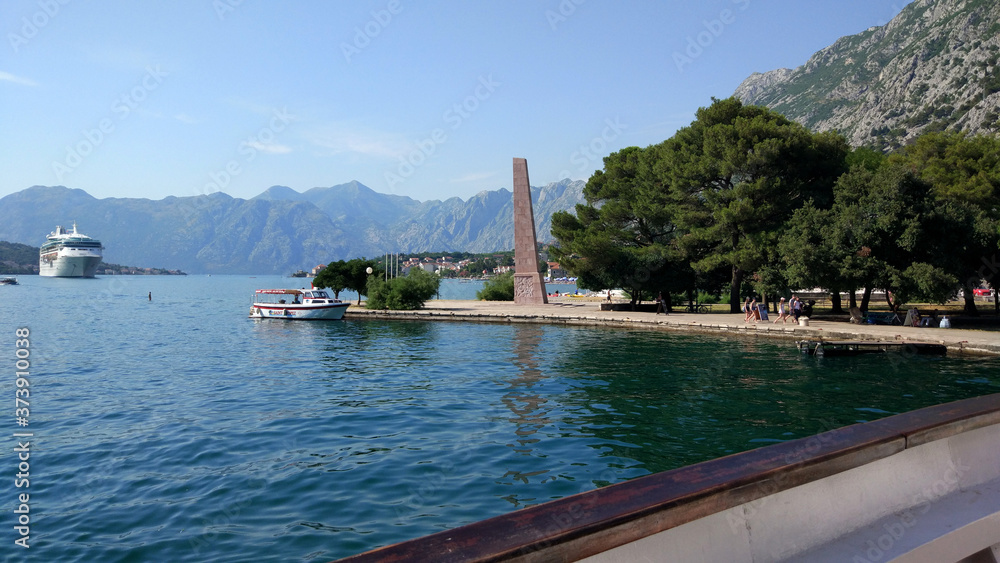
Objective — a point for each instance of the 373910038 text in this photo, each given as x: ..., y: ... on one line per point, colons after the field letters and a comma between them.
x: 22, y: 394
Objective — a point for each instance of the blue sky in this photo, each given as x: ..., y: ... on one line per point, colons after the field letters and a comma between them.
x: 429, y: 100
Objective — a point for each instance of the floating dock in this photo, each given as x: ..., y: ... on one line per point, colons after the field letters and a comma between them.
x: 858, y: 347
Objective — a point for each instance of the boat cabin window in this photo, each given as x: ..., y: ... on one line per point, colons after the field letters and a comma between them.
x: 317, y: 295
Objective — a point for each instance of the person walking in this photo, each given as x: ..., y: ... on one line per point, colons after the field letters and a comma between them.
x: 796, y: 307
x: 752, y: 313
x: 782, y: 312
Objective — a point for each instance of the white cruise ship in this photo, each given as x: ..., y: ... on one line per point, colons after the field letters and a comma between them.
x: 69, y: 255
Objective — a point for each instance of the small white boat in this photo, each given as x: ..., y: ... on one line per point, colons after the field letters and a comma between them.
x: 8, y: 280
x: 296, y: 304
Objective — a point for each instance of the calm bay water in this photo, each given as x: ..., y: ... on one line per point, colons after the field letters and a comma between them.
x: 178, y: 429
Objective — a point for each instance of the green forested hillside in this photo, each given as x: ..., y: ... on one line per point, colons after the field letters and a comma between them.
x: 18, y: 258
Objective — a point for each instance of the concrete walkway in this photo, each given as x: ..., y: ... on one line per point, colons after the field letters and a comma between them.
x: 587, y: 313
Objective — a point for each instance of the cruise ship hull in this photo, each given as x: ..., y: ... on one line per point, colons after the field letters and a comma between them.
x: 69, y: 254
x: 68, y: 265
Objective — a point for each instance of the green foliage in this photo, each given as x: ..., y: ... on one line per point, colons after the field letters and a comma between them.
x: 881, y: 225
x: 16, y: 258
x: 865, y: 157
x: 925, y: 282
x: 402, y: 293
x: 625, y: 235
x: 964, y: 174
x: 333, y: 276
x: 352, y: 275
x: 499, y: 288
x: 708, y: 298
x: 737, y: 174
x: 958, y: 166
x: 744, y: 193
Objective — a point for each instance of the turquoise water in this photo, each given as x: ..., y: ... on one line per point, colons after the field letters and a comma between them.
x: 178, y: 429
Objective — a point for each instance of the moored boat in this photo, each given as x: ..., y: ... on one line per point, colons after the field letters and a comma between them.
x: 296, y: 304
x: 8, y: 280
x: 859, y: 347
x: 69, y: 254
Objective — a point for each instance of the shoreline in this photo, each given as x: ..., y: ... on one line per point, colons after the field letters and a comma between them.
x: 588, y: 314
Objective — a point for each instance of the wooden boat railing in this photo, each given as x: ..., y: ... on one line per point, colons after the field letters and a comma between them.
x: 729, y: 491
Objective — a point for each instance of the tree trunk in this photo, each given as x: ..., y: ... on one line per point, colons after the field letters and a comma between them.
x: 835, y: 303
x: 970, y: 302
x: 865, y: 298
x: 734, y: 290
x: 853, y: 299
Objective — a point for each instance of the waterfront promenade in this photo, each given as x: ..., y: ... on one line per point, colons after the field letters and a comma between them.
x: 568, y: 311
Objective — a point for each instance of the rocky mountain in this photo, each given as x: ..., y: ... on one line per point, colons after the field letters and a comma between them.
x: 280, y: 230
x: 933, y: 67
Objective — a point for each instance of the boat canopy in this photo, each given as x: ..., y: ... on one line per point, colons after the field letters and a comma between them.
x: 281, y: 291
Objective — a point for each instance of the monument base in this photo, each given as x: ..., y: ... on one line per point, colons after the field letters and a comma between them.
x: 529, y: 289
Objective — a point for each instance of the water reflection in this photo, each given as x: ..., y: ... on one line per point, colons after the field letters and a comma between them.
x: 527, y: 405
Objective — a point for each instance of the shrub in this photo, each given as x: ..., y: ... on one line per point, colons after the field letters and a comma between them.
x: 500, y: 288
x: 408, y: 292
x: 708, y: 298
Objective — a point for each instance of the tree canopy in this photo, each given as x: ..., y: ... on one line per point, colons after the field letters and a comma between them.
x: 352, y: 275
x: 625, y: 235
x: 403, y: 293
x: 744, y: 190
x: 736, y: 174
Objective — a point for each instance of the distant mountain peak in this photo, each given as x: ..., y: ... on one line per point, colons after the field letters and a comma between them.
x: 280, y: 193
x: 280, y: 230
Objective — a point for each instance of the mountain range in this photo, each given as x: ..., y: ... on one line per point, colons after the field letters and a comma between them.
x: 932, y: 67
x: 281, y: 230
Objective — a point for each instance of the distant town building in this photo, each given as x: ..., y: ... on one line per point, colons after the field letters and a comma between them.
x: 555, y: 271
x: 316, y: 270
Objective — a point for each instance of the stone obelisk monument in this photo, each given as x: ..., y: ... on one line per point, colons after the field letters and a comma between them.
x: 529, y: 288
